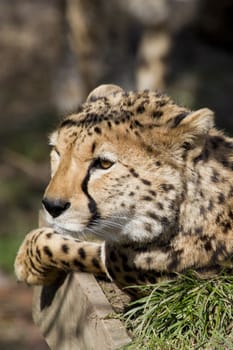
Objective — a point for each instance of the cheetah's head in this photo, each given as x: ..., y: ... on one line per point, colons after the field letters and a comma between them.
x: 117, y: 166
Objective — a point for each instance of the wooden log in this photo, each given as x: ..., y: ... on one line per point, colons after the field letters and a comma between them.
x: 74, y: 314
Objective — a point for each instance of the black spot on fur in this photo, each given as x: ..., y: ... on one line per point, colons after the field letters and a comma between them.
x: 133, y: 172
x: 148, y: 227
x: 206, y: 153
x: 210, y: 206
x: 157, y: 114
x: 215, y: 176
x: 149, y: 149
x: 65, y: 263
x: 140, y: 109
x: 74, y: 134
x: 226, y: 226
x: 137, y: 123
x: 199, y: 230
x: 153, y: 193
x: 218, y: 219
x: 164, y: 220
x: 230, y: 214
x: 99, y: 251
x: 208, y: 246
x: 47, y: 251
x: 161, y: 103
x: 65, y: 248
x: 216, y: 141
x: 159, y: 206
x: 220, y: 252
x: 95, y: 263
x: 98, y: 130
x: 187, y: 146
x: 79, y: 264
x: 227, y: 164
x: 202, y: 210
x: 174, y: 259
x: 148, y: 260
x: 230, y: 194
x: 221, y: 198
x: 146, y: 182
x: 82, y: 253
x: 147, y: 198
x: 152, y: 215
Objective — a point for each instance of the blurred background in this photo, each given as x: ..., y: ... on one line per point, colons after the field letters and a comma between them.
x: 52, y: 53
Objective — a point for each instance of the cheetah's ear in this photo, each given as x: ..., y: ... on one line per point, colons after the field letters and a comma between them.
x: 198, y: 122
x: 104, y: 91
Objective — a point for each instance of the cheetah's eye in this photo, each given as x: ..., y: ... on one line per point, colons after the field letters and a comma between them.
x: 102, y: 163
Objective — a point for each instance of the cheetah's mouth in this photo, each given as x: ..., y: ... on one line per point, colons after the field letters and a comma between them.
x: 73, y: 228
x: 101, y: 229
x: 65, y: 227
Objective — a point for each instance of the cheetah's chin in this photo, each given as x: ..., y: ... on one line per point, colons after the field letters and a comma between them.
x: 82, y: 235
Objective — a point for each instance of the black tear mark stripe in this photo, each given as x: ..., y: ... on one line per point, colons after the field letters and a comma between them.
x: 91, y: 202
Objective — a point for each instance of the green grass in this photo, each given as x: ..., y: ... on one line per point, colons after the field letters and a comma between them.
x: 185, y: 313
x: 8, y: 248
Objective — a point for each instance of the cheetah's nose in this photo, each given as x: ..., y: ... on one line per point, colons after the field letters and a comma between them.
x: 55, y: 207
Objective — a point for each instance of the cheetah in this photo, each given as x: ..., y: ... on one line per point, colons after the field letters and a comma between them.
x: 151, y: 179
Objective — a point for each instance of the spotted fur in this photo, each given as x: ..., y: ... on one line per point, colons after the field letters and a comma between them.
x: 151, y: 178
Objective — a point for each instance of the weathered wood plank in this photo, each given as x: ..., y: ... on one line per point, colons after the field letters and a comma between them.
x: 75, y: 314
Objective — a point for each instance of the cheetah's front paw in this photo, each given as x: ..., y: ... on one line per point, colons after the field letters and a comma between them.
x: 29, y: 267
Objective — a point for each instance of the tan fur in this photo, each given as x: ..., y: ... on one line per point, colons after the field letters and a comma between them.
x: 151, y: 178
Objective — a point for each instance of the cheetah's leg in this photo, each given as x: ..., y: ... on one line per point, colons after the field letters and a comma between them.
x: 44, y: 252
